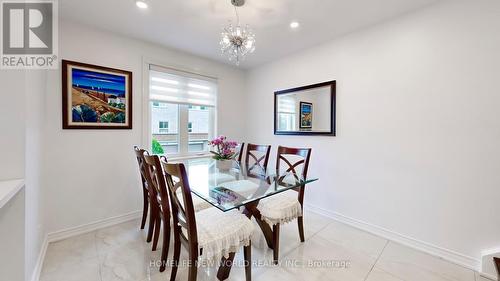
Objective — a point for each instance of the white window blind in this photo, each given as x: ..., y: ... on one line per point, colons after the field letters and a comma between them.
x: 174, y: 86
x: 286, y: 104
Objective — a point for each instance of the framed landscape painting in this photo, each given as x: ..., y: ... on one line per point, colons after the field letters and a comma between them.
x: 305, y: 115
x: 96, y: 97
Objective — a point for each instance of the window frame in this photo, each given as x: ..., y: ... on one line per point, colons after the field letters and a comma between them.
x: 183, y: 137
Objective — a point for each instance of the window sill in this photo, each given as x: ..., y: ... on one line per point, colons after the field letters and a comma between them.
x: 186, y: 157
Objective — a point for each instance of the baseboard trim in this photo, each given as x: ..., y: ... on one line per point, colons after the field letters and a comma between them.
x: 85, y: 228
x: 449, y: 255
x: 489, y: 276
x: 39, y: 262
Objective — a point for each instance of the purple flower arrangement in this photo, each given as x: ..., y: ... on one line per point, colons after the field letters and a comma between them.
x: 225, y: 150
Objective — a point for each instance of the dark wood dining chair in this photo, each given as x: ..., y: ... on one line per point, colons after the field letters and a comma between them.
x: 139, y: 154
x: 240, y: 153
x: 257, y: 156
x: 156, y: 179
x: 287, y: 206
x: 209, y: 232
x: 497, y: 265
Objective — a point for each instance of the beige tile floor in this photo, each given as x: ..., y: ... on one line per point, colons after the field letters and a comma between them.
x: 332, y: 251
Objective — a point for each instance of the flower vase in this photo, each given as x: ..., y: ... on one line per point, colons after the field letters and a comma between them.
x: 224, y: 165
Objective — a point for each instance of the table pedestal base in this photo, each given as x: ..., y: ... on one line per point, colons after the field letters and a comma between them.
x: 250, y: 211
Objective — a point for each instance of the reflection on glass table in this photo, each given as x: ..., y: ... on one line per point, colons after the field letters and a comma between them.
x: 237, y: 187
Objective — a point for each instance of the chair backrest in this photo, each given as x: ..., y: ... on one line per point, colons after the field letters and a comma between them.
x: 156, y: 181
x: 240, y: 152
x: 183, y: 213
x: 301, y: 157
x: 139, y: 154
x: 257, y: 156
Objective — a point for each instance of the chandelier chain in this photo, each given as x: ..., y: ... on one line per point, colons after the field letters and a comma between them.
x: 237, y: 16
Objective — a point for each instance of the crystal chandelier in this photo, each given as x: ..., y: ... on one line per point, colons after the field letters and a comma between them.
x: 237, y: 41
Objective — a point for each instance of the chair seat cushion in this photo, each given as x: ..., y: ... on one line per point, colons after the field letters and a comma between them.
x: 280, y: 208
x: 198, y: 203
x: 220, y: 233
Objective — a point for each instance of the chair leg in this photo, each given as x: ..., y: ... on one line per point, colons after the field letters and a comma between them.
x: 300, y: 222
x: 247, y: 254
x: 225, y: 267
x: 144, y: 209
x: 193, y: 263
x: 157, y: 232
x: 166, y: 242
x: 497, y: 264
x: 276, y: 242
x: 152, y: 222
x: 177, y: 253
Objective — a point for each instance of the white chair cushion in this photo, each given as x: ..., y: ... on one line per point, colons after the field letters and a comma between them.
x: 280, y: 208
x: 242, y: 187
x: 221, y: 233
x: 198, y: 203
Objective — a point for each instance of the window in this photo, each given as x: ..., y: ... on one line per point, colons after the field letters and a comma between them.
x: 198, y: 128
x: 163, y: 126
x: 287, y: 120
x: 182, y: 110
x: 164, y: 129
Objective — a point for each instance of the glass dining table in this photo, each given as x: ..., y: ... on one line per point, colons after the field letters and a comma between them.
x: 240, y: 187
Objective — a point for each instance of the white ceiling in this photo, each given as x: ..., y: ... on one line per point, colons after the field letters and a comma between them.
x: 195, y: 25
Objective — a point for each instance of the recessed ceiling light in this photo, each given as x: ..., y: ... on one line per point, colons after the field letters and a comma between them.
x: 141, y: 4
x: 294, y: 24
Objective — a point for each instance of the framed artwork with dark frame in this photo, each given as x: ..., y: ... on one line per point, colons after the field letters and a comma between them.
x: 306, y: 115
x: 95, y: 97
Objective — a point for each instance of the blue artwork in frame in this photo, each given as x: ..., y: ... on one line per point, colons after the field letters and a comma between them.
x: 306, y: 109
x: 96, y: 97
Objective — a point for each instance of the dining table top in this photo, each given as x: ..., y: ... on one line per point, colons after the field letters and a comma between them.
x: 239, y: 185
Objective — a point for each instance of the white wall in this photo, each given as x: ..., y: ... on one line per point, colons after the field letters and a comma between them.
x: 35, y: 88
x: 12, y: 124
x: 92, y: 175
x: 12, y: 232
x: 21, y: 124
x: 417, y: 148
x: 12, y: 166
